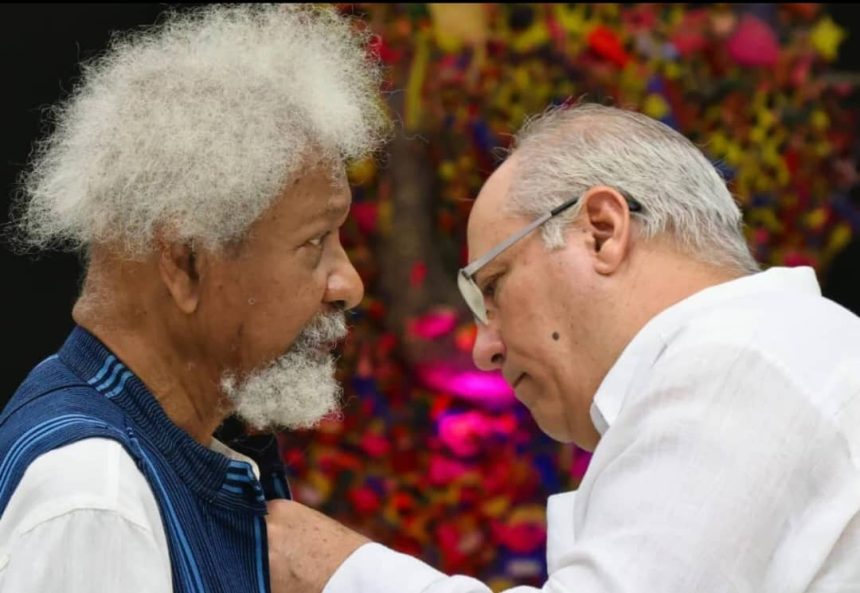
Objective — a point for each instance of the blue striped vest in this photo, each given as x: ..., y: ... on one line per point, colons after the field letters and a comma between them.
x: 212, y: 508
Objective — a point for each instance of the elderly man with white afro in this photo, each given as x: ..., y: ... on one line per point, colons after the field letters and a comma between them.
x: 199, y: 167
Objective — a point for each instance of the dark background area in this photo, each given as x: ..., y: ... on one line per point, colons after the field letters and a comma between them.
x: 42, y: 45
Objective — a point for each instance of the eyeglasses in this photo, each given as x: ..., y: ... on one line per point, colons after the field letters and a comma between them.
x: 466, y: 276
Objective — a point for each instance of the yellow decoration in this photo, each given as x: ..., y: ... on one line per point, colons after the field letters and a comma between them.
x: 734, y: 154
x: 362, y: 172
x: 762, y: 183
x: 713, y: 113
x: 769, y: 220
x: 758, y: 102
x: 633, y: 79
x: 757, y: 135
x: 499, y: 584
x: 321, y: 484
x: 776, y: 138
x: 676, y: 15
x: 816, y: 218
x: 457, y: 24
x: 385, y: 212
x: 533, y: 37
x: 718, y: 144
x: 417, y: 73
x: 744, y: 178
x: 839, y: 238
x: 390, y: 514
x: 819, y: 120
x: 495, y: 507
x: 529, y: 513
x: 606, y: 12
x: 769, y: 154
x: 826, y: 37
x: 765, y: 118
x: 672, y: 70
x: 655, y: 106
x: 822, y: 149
x: 571, y: 18
x: 447, y: 170
x: 783, y: 177
x: 521, y: 78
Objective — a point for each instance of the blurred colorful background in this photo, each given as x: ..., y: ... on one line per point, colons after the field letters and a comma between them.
x: 431, y: 456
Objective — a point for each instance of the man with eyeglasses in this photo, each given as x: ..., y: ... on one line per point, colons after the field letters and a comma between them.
x: 612, y: 286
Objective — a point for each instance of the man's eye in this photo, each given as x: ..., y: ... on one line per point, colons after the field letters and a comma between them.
x: 318, y: 240
x: 489, y: 288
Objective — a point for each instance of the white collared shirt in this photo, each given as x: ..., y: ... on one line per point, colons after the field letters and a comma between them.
x: 729, y: 459
x: 83, y: 519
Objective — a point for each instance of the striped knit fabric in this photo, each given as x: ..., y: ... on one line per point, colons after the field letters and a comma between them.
x: 212, y: 507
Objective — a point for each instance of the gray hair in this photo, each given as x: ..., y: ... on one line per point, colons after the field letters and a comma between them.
x: 565, y: 151
x: 195, y: 126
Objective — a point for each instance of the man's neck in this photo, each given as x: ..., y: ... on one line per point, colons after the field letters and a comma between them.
x: 668, y: 279
x: 189, y: 394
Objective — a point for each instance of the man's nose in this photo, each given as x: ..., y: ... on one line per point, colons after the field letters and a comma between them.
x: 489, y: 349
x: 344, y: 285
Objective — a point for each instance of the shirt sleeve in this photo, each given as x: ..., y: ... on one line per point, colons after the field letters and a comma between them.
x: 373, y: 567
x: 85, y: 551
x: 83, y: 519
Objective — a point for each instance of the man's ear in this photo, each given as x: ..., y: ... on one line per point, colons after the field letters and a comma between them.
x: 606, y: 216
x: 180, y: 269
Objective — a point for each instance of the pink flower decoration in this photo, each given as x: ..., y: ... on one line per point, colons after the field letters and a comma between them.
x: 522, y: 538
x: 433, y: 325
x: 464, y: 433
x: 375, y: 445
x: 476, y: 386
x: 753, y: 43
x: 444, y: 470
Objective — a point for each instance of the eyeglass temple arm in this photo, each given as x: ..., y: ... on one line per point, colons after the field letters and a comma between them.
x: 479, y: 263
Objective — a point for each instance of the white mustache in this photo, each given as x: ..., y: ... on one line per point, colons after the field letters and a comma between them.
x: 326, y: 329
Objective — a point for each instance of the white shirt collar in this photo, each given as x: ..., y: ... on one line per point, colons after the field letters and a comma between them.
x: 644, y: 349
x: 219, y: 447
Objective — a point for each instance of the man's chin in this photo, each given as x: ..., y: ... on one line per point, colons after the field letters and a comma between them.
x: 294, y: 392
x: 266, y: 421
x: 287, y: 399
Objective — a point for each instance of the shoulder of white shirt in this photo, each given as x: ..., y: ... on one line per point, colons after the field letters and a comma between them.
x: 90, y: 474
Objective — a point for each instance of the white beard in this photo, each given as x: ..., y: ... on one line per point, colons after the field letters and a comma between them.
x: 298, y: 389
